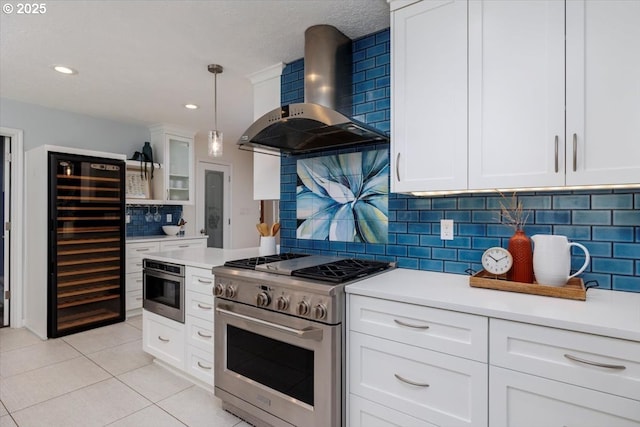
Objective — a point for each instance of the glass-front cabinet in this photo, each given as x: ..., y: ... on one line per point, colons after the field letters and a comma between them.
x: 175, y: 150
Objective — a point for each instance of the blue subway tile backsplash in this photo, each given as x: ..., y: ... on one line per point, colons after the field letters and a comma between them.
x: 607, y: 222
x: 139, y: 226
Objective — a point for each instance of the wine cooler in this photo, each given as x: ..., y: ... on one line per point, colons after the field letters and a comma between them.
x: 85, y: 245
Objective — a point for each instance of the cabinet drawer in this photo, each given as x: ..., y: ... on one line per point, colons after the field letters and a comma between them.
x: 133, y: 265
x: 199, y: 280
x: 364, y: 413
x: 163, y: 338
x: 459, y: 334
x: 548, y: 352
x: 199, y: 305
x: 522, y: 400
x: 200, y: 333
x: 200, y: 364
x: 133, y: 282
x: 140, y: 250
x: 183, y: 244
x: 456, y: 394
x: 133, y: 300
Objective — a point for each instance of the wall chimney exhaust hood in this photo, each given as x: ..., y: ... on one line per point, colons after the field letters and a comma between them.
x: 322, y: 122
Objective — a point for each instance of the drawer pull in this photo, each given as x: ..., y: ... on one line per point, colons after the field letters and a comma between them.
x: 204, y: 307
x: 208, y: 282
x: 598, y: 364
x: 142, y: 249
x: 183, y: 246
x: 163, y: 339
x: 204, y: 366
x: 404, y: 380
x: 409, y: 325
x: 139, y: 264
x: 204, y: 335
x: 138, y: 298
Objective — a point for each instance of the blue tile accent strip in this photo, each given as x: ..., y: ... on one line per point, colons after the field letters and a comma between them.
x: 606, y: 221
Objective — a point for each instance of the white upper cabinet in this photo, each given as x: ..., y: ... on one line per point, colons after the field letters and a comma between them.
x: 603, y: 92
x: 542, y: 113
x: 174, y: 148
x: 266, y: 167
x: 429, y: 96
x: 516, y: 94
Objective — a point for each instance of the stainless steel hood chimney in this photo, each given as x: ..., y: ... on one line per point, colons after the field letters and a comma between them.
x: 322, y: 122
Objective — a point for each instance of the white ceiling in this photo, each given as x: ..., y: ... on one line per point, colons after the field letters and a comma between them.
x: 141, y: 61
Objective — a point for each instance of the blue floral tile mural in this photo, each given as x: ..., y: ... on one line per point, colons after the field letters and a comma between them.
x: 344, y: 197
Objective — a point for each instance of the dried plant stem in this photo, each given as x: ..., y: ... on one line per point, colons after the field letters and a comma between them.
x: 513, y: 213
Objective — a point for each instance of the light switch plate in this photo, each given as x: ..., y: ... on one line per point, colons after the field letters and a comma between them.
x: 446, y: 229
x: 169, y: 218
x: 128, y: 218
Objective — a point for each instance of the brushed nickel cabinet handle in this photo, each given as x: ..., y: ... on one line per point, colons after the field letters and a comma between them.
x: 163, y: 339
x: 208, y: 282
x: 592, y: 363
x: 183, y: 246
x: 556, y: 143
x: 204, y: 335
x: 398, y: 167
x: 409, y: 325
x: 204, y: 366
x: 142, y: 249
x: 575, y: 152
x: 404, y: 380
x: 204, y: 307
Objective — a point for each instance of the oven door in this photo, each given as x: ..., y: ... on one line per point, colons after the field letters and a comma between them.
x: 163, y: 294
x: 284, y: 365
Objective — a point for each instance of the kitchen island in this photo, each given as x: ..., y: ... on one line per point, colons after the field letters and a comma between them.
x: 428, y: 349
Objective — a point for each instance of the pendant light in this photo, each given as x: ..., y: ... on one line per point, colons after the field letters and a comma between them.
x: 214, y: 144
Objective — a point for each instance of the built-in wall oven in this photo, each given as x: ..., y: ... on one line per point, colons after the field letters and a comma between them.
x: 163, y: 289
x: 279, y: 338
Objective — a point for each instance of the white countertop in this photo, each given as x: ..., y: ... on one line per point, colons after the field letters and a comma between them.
x: 605, y: 312
x: 202, y: 257
x: 162, y: 238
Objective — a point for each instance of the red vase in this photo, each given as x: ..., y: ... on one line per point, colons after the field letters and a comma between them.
x: 520, y: 249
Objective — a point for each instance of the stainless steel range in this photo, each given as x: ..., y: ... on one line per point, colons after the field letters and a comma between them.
x: 279, y: 337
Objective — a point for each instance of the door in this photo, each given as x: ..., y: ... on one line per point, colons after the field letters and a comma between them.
x: 603, y: 92
x: 516, y: 94
x: 5, y: 173
x: 213, y: 203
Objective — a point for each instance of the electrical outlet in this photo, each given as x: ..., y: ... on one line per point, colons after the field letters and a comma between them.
x: 169, y: 218
x: 446, y: 229
x: 128, y: 218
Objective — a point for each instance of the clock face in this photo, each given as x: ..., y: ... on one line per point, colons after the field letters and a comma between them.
x: 497, y: 260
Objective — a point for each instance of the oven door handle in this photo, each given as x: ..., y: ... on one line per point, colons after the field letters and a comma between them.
x: 309, y: 333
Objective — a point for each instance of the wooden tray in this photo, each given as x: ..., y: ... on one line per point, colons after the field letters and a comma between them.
x: 574, y: 289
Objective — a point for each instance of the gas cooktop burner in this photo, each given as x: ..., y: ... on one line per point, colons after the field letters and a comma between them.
x: 252, y: 263
x: 342, y: 270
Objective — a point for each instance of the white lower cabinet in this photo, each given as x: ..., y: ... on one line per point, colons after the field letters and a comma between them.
x: 522, y: 400
x: 135, y: 253
x: 415, y: 361
x: 364, y: 412
x: 183, y: 243
x: 163, y: 338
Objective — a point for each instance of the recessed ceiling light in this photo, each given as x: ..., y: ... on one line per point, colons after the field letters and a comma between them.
x: 191, y: 106
x: 64, y: 70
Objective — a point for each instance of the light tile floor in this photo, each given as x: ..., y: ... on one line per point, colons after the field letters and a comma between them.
x: 99, y: 377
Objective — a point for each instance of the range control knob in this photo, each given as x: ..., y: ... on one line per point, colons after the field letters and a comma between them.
x: 263, y: 299
x: 230, y: 292
x: 282, y: 303
x: 320, y: 311
x: 303, y: 308
x: 218, y: 290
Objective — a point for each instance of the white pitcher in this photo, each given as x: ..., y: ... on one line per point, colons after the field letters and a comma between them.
x: 552, y: 259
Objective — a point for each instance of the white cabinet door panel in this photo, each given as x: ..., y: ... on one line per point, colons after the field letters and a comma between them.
x: 521, y: 400
x: 429, y: 96
x: 516, y: 94
x: 603, y: 92
x: 365, y: 413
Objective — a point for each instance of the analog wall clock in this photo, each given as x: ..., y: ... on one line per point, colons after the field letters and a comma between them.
x: 497, y: 260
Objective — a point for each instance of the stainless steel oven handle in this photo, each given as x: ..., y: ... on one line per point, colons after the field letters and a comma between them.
x: 306, y: 333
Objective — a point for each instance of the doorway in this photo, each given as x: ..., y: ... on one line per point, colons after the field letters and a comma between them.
x: 213, y: 206
x: 5, y: 205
